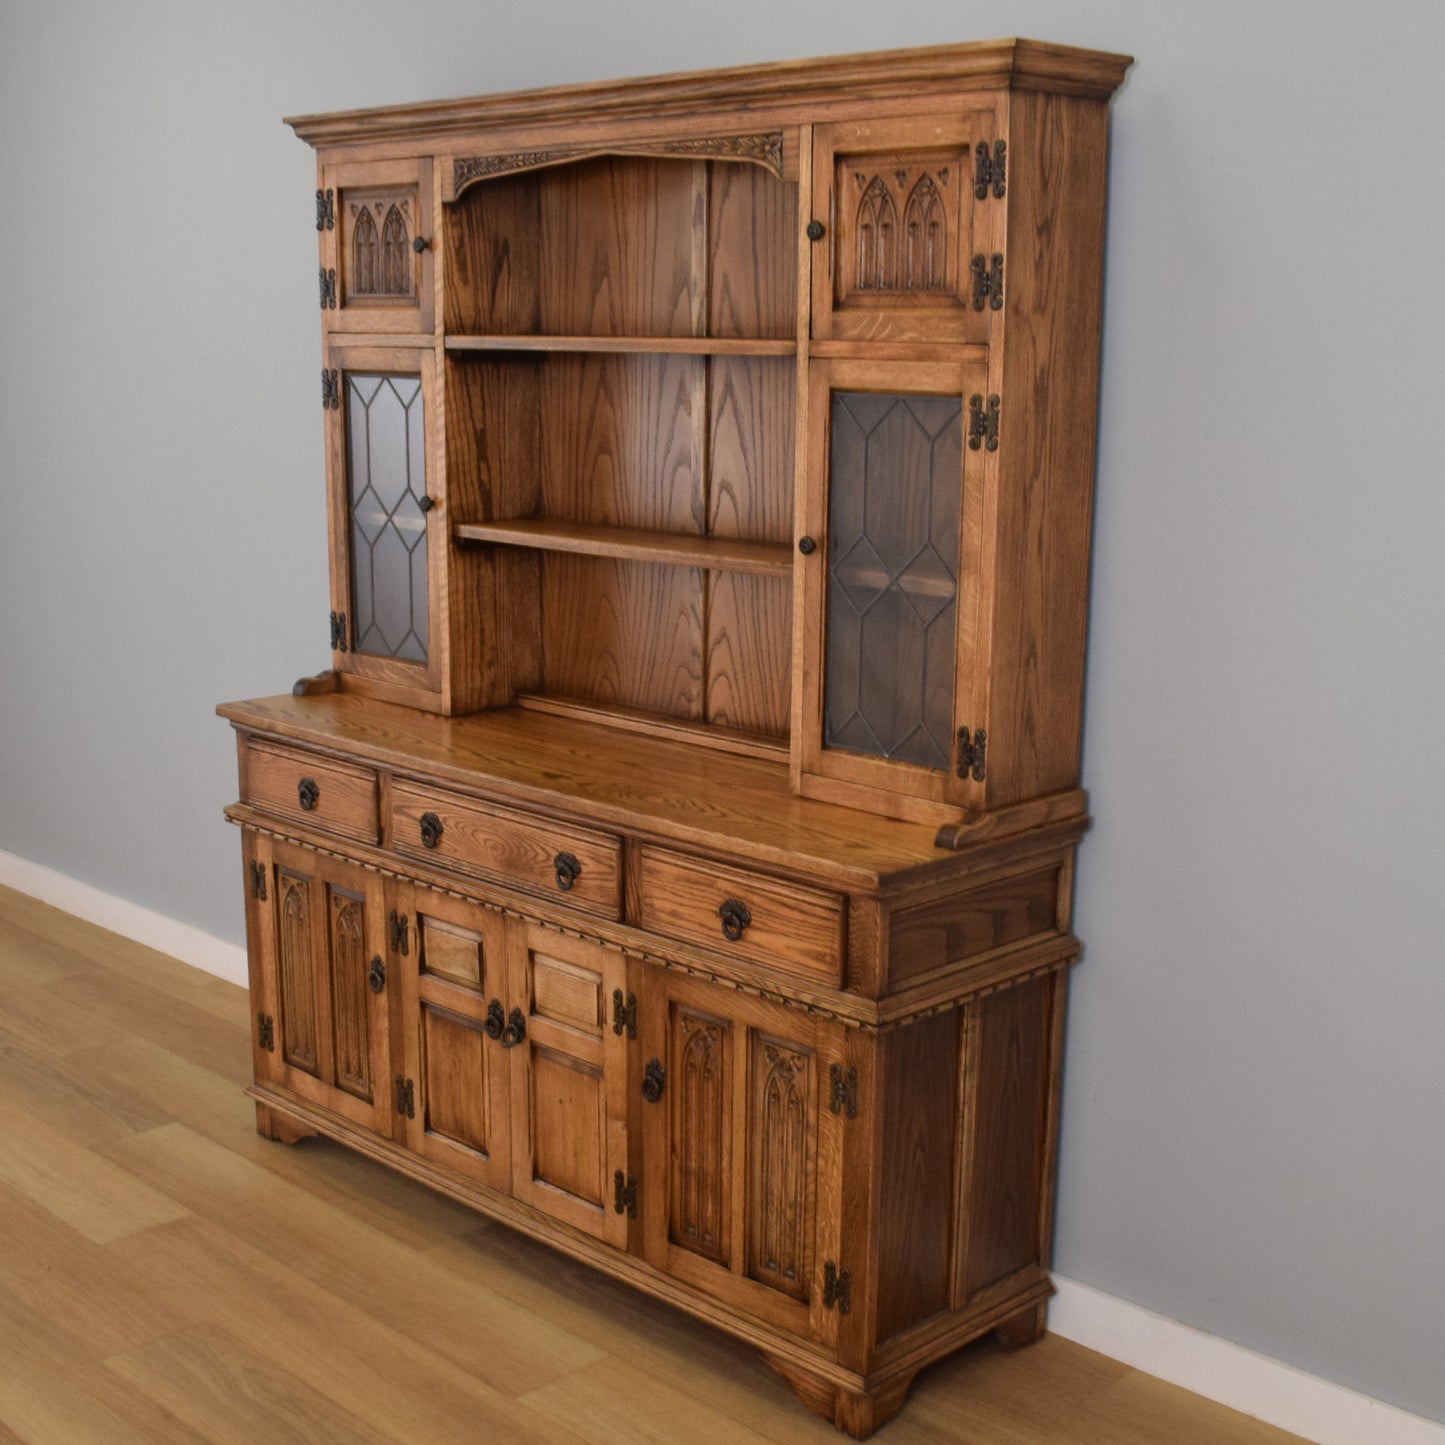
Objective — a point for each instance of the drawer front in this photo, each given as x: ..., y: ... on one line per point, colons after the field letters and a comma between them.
x: 324, y: 793
x: 786, y: 926
x: 580, y: 867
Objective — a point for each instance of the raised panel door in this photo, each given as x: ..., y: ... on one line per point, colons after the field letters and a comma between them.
x: 321, y: 1024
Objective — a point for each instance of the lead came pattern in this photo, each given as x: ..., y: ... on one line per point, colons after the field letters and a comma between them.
x: 894, y: 484
x: 386, y: 472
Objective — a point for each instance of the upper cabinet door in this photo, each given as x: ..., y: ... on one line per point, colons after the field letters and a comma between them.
x: 374, y: 221
x: 909, y: 250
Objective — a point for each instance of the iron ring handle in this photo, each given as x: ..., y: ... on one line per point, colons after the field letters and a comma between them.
x: 431, y: 830
x: 568, y: 870
x: 376, y: 975
x: 516, y: 1029
x: 735, y: 917
x: 307, y: 794
x: 653, y: 1079
x: 496, y: 1021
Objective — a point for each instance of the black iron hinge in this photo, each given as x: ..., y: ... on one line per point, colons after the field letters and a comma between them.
x: 624, y: 1013
x: 266, y: 1032
x: 843, y: 1090
x: 399, y: 933
x: 325, y: 210
x: 988, y: 170
x: 983, y: 423
x: 258, y: 881
x: 338, y: 632
x: 328, y: 288
x: 405, y: 1097
x: 624, y: 1194
x: 988, y: 281
x: 837, y: 1288
x: 971, y: 753
x: 330, y: 390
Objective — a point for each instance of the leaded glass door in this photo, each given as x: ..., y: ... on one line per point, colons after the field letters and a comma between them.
x: 383, y: 514
x: 895, y: 506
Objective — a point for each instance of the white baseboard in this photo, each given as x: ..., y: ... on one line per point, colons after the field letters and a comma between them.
x: 1255, y: 1384
x: 166, y: 935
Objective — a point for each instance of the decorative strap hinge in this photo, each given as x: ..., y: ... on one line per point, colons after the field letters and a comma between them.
x: 405, y: 1097
x: 988, y: 169
x: 624, y: 1194
x: 328, y: 288
x: 266, y: 1032
x: 338, y: 632
x: 988, y: 281
x: 971, y: 753
x: 400, y: 942
x: 331, y: 389
x: 258, y: 882
x: 624, y: 1013
x: 325, y: 210
x: 983, y: 423
x: 837, y: 1288
x: 843, y: 1090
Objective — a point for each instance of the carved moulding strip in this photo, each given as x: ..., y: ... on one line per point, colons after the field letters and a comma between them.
x: 764, y: 149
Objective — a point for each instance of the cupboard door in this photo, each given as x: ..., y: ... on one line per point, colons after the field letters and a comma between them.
x: 322, y: 1029
x: 374, y: 222
x: 734, y: 1201
x: 911, y: 249
x: 386, y: 531
x: 891, y: 593
x: 451, y: 966
x: 569, y: 1082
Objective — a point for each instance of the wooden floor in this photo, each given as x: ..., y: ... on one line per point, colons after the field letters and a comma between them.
x: 166, y: 1275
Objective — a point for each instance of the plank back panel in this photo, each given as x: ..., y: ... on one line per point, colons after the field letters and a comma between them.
x: 491, y: 250
x: 749, y: 653
x: 752, y: 252
x: 752, y: 402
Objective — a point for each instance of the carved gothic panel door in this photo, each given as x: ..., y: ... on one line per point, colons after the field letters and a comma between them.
x: 740, y: 1194
x: 321, y: 1021
x: 915, y: 250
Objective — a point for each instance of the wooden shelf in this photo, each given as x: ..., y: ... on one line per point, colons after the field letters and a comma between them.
x: 719, y: 554
x: 659, y: 345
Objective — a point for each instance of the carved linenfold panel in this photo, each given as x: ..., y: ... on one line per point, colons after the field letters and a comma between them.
x: 380, y: 264
x: 350, y: 1018
x: 765, y: 149
x: 899, y: 225
x: 780, y: 1129
x: 701, y: 1084
x: 298, y: 976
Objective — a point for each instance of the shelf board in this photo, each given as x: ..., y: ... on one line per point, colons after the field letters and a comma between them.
x: 718, y: 554
x: 673, y: 345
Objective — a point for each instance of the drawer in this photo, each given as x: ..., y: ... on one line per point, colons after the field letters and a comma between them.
x: 786, y: 926
x: 579, y: 866
x: 339, y: 797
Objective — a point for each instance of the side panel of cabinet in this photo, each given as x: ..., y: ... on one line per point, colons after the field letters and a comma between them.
x: 319, y: 929
x: 452, y: 979
x: 740, y: 1150
x: 370, y: 217
x: 909, y: 232
x: 388, y: 541
x: 569, y: 1082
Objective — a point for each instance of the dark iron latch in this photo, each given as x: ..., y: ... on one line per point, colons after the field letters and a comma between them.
x: 325, y: 210
x: 843, y: 1090
x: 258, y: 881
x: 327, y: 278
x: 988, y: 170
x: 982, y: 423
x: 837, y: 1288
x: 399, y: 931
x: 624, y: 1013
x: 266, y: 1032
x: 971, y: 751
x: 405, y: 1097
x: 338, y: 632
x: 624, y: 1194
x: 988, y: 281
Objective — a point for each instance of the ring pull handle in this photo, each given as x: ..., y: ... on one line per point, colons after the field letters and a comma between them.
x: 307, y: 794
x: 431, y: 830
x: 653, y: 1078
x: 568, y: 870
x: 496, y: 1022
x: 376, y: 975
x: 735, y: 917
x: 516, y: 1029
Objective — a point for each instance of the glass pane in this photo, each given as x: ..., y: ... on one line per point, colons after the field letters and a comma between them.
x: 386, y: 474
x: 895, y: 479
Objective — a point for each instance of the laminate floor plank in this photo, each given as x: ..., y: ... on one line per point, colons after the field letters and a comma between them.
x: 169, y: 1276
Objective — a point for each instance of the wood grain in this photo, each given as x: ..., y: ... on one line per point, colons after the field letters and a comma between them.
x: 749, y: 661
x: 752, y: 246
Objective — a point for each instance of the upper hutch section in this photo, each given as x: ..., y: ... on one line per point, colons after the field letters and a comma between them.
x: 752, y: 406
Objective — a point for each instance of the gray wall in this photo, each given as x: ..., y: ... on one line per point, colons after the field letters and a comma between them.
x: 1253, y: 1124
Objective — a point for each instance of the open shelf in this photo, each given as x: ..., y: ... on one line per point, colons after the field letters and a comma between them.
x: 717, y: 554
x: 653, y: 345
